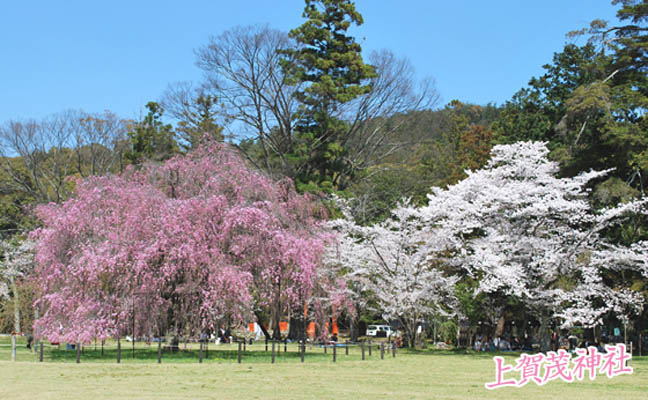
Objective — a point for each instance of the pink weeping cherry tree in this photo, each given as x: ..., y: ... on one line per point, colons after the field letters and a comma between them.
x: 180, y: 247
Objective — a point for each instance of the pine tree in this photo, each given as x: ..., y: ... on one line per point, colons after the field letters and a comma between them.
x: 151, y: 138
x: 330, y: 64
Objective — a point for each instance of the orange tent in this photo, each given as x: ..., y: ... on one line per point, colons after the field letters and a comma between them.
x: 311, y: 330
x: 335, y: 329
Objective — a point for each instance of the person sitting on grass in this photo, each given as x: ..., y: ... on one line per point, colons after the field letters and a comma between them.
x: 504, y: 345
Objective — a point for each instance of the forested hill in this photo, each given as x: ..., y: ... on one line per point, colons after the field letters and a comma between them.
x: 435, y: 147
x: 426, y: 148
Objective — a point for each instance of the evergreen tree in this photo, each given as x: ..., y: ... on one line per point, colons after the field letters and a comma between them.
x: 150, y: 138
x: 330, y: 64
x: 590, y: 104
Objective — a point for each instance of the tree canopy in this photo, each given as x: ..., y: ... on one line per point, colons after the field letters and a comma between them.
x: 197, y: 241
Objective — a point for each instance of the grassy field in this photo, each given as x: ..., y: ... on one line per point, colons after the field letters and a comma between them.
x: 411, y: 375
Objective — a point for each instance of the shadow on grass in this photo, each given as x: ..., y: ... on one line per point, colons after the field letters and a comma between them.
x: 459, y: 352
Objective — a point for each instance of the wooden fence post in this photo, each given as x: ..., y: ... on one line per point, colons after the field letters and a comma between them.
x: 78, y: 352
x: 334, y: 352
x: 362, y: 348
x: 286, y: 345
x: 159, y: 350
x: 266, y: 340
x: 41, y: 351
x: 382, y: 351
x: 13, y: 347
x: 118, y: 350
x: 394, y: 349
x: 370, y: 348
x: 303, y: 350
x: 273, y: 351
x: 201, y: 348
x: 239, y: 352
x: 346, y: 347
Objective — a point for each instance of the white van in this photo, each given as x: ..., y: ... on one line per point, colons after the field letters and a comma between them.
x: 373, y: 330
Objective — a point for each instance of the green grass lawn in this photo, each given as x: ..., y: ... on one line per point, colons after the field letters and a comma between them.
x: 411, y: 375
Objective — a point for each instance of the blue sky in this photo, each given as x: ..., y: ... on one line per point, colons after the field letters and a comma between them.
x: 117, y: 55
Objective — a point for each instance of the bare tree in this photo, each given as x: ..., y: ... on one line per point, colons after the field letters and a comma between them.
x: 394, y: 91
x: 38, y: 156
x: 197, y: 111
x: 243, y: 69
x: 99, y: 142
x: 45, y: 152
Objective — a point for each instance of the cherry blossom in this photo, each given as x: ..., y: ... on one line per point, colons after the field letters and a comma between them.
x: 389, y: 263
x: 524, y: 232
x: 199, y: 240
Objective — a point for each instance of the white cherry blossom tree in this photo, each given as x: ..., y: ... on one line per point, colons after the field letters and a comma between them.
x: 17, y: 261
x: 514, y: 226
x: 524, y: 232
x: 389, y: 264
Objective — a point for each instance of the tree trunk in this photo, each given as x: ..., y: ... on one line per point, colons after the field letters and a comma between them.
x: 296, y: 329
x: 35, y: 333
x: 410, y: 335
x: 276, y: 313
x: 276, y: 325
x: 543, y: 333
x: 597, y: 334
x: 16, y: 305
x: 420, y: 340
x: 354, y: 327
x: 261, y: 323
x: 499, y: 331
